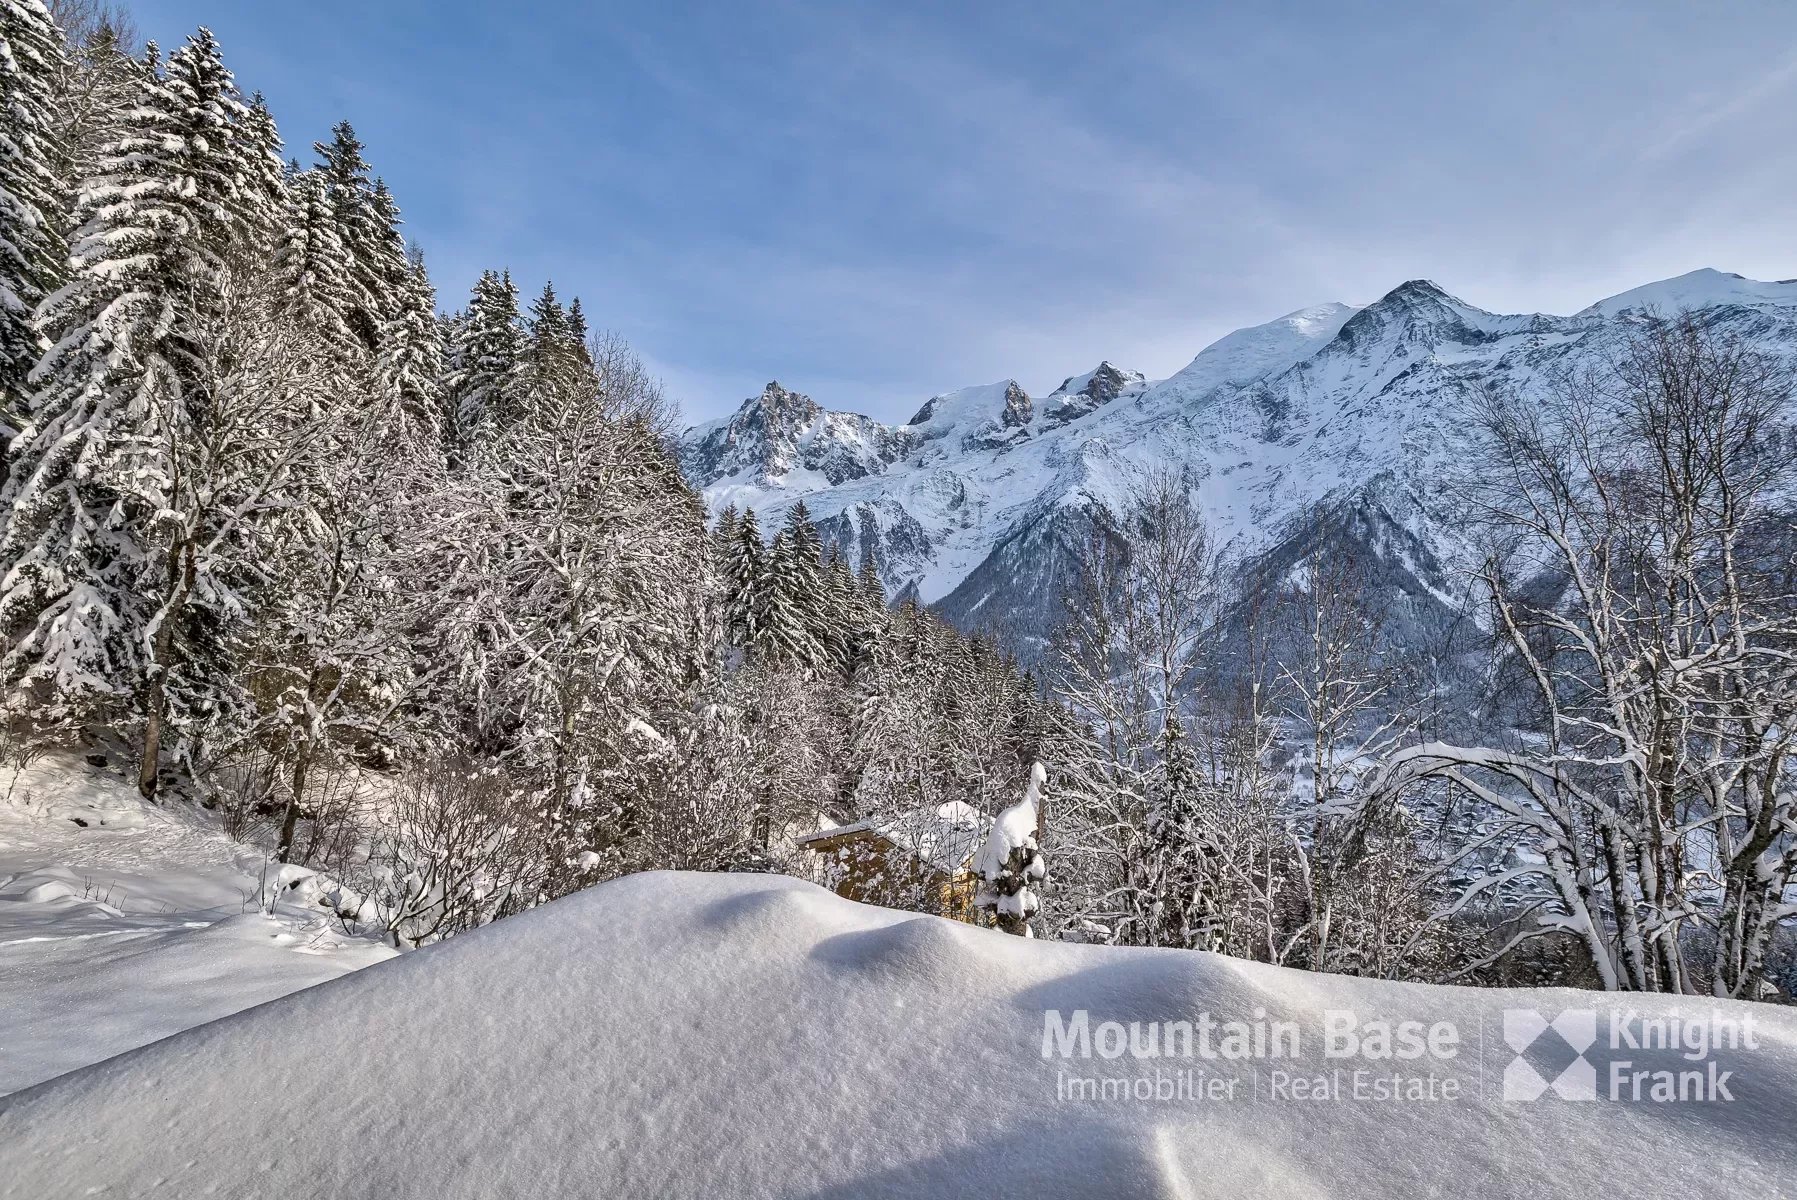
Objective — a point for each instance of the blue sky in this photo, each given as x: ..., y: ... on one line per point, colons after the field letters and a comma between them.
x: 877, y: 202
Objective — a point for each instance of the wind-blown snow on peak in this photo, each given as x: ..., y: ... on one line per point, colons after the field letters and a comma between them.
x: 1354, y: 417
x: 986, y: 416
x: 1700, y: 289
x: 1249, y: 354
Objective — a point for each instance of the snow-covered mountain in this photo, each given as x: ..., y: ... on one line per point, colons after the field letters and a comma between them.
x: 1353, y: 412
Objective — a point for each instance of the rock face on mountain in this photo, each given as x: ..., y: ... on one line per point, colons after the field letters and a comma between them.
x: 786, y: 441
x: 1351, y: 419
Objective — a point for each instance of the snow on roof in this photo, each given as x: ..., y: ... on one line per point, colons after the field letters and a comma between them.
x: 665, y: 1035
x: 944, y: 836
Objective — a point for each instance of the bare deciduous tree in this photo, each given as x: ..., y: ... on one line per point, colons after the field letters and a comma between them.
x: 1640, y: 572
x: 451, y: 850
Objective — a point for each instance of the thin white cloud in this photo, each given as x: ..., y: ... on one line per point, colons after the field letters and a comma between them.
x: 1737, y: 101
x: 875, y: 203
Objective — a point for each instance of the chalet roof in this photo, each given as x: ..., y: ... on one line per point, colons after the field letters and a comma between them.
x: 945, y: 836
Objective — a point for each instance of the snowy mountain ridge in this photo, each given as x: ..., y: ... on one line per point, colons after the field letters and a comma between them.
x: 1345, y: 410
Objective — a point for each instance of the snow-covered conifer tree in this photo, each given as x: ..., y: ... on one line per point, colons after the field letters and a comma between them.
x: 549, y: 328
x: 742, y: 582
x: 360, y: 230
x: 578, y: 333
x: 215, y: 170
x: 1010, y: 863
x: 839, y: 626
x: 867, y: 580
x: 388, y: 271
x: 488, y: 359
x: 311, y: 271
x: 70, y: 604
x: 32, y: 62
x: 723, y: 536
x: 804, y: 585
x: 261, y: 201
x: 783, y: 607
x: 411, y: 365
x: 142, y: 457
x: 1170, y: 867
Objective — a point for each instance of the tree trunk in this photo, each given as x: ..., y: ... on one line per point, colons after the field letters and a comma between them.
x: 150, y: 754
x: 162, y: 647
x: 1628, y: 926
x: 290, y: 818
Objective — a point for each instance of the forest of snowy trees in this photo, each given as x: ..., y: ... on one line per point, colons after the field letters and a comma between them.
x: 424, y: 601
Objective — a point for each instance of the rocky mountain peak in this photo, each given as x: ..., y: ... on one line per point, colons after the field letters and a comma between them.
x: 1417, y: 313
x: 1107, y: 381
x: 1079, y: 395
x: 1413, y: 290
x: 1018, y: 406
x: 780, y: 432
x: 778, y: 406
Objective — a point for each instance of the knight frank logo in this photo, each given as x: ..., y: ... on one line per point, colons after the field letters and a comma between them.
x: 1581, y: 1054
x: 1571, y: 1033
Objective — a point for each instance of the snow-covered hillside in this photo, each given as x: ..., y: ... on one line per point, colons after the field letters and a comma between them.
x: 742, y: 1036
x: 1359, y: 411
x: 122, y: 922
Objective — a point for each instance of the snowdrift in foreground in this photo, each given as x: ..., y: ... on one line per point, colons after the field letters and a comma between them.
x: 709, y: 1035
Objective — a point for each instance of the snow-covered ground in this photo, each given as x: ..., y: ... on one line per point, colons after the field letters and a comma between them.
x: 718, y: 1035
x: 122, y: 922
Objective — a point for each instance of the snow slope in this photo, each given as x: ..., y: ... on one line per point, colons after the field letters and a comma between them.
x: 1359, y: 412
x: 743, y: 1036
x: 123, y: 922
